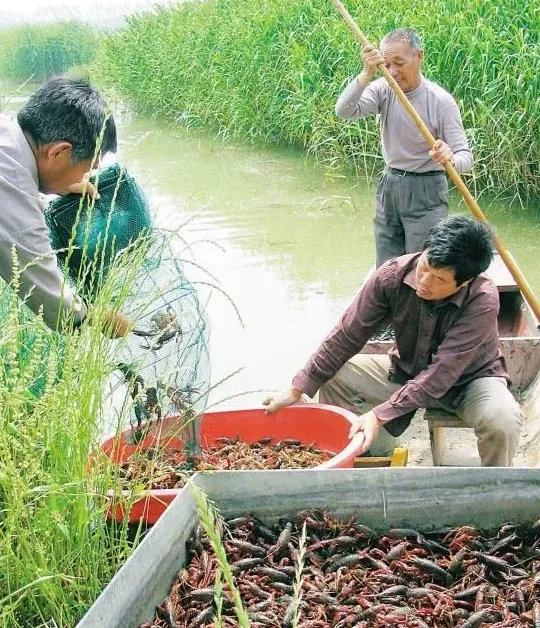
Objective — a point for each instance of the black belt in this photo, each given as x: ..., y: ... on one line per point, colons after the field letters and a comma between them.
x: 404, y: 173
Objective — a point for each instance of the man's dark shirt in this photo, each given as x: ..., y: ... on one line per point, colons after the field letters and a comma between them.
x: 439, y: 346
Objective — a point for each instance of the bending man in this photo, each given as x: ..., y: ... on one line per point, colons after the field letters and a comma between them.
x: 412, y: 195
x: 446, y: 353
x: 49, y: 149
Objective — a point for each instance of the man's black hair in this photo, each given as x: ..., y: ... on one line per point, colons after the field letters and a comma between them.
x: 66, y: 109
x: 461, y: 243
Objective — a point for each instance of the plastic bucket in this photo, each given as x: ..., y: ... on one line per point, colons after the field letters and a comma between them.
x: 324, y: 426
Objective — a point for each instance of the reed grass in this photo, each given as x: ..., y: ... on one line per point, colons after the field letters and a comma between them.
x: 271, y: 72
x: 57, y: 550
x: 41, y: 51
x: 298, y: 577
x: 212, y: 524
x: 218, y: 599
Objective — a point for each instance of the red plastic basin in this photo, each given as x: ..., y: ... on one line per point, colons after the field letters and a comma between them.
x: 326, y: 427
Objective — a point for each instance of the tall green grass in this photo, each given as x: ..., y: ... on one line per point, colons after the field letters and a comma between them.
x: 57, y: 551
x: 41, y: 51
x: 271, y: 71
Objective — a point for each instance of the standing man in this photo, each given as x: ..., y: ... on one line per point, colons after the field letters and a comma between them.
x: 446, y: 352
x: 59, y: 135
x: 413, y: 193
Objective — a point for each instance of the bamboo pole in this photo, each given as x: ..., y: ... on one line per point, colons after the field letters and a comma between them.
x: 507, y: 258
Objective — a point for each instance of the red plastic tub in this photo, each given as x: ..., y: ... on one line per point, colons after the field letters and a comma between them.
x: 324, y: 426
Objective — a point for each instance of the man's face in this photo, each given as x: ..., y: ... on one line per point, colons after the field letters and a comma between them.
x: 56, y: 170
x: 434, y: 284
x: 403, y: 63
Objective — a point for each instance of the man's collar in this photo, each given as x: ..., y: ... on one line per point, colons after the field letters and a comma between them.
x: 459, y: 297
x: 410, y: 278
x: 419, y: 88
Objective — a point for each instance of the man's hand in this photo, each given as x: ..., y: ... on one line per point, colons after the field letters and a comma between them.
x: 369, y: 425
x: 441, y: 153
x: 282, y: 400
x: 82, y: 187
x: 115, y: 324
x: 371, y: 58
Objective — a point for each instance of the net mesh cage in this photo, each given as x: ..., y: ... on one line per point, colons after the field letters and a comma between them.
x: 165, y: 360
x: 88, y: 233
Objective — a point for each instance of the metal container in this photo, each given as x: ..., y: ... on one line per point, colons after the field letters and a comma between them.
x: 423, y: 498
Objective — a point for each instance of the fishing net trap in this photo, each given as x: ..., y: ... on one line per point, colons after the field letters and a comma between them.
x: 165, y: 361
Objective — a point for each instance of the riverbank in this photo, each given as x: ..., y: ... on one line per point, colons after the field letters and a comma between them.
x: 271, y: 74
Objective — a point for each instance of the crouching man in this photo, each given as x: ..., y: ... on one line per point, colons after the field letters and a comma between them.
x: 446, y: 353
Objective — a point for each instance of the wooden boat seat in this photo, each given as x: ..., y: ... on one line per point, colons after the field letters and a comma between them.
x: 437, y: 421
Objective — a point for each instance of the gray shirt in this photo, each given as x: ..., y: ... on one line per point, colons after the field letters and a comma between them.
x: 22, y: 224
x: 403, y: 145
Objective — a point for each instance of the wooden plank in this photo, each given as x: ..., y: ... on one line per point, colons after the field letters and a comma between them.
x: 522, y: 356
x: 500, y: 274
x: 441, y: 418
x: 437, y: 440
x: 366, y: 462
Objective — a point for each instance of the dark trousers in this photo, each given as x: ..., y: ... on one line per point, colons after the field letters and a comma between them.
x: 405, y: 210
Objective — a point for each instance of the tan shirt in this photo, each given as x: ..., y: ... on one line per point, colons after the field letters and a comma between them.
x: 403, y: 145
x: 22, y: 223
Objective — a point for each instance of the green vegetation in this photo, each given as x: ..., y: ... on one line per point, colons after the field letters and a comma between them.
x: 272, y: 72
x: 57, y: 550
x: 37, y: 52
x: 212, y: 524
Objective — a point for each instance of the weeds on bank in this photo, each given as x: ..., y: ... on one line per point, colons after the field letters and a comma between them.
x: 43, y: 50
x: 271, y: 72
x: 56, y: 549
